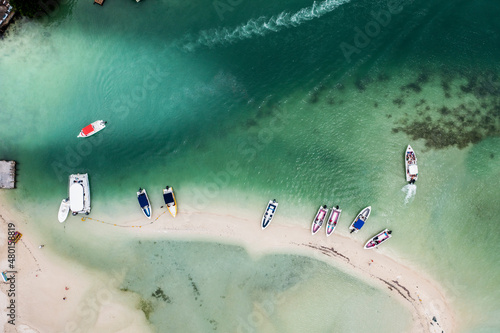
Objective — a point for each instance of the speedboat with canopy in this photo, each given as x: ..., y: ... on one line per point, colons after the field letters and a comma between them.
x: 360, y: 220
x: 142, y: 196
x: 169, y: 198
x: 79, y: 194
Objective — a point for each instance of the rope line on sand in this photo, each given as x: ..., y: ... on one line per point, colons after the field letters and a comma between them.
x: 32, y: 255
x: 122, y: 225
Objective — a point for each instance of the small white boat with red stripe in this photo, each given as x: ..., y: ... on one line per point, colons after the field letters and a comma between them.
x: 92, y: 129
x: 378, y: 239
x: 333, y: 220
x: 319, y: 219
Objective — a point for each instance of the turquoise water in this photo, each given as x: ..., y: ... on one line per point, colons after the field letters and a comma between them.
x: 307, y: 103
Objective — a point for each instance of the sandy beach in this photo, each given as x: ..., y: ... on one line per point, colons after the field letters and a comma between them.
x: 89, y: 301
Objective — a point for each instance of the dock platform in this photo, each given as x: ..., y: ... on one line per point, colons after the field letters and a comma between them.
x: 7, y: 174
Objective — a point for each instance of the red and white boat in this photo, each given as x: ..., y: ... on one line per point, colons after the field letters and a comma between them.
x: 92, y: 129
x: 319, y: 219
x: 333, y: 220
x: 378, y: 239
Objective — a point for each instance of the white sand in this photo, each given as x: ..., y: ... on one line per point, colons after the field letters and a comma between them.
x: 94, y: 302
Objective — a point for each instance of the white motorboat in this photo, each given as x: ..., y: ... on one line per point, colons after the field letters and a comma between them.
x: 378, y: 239
x: 63, y: 210
x: 411, y: 165
x: 333, y: 220
x: 360, y: 219
x: 269, y: 213
x: 92, y: 129
x: 169, y: 198
x: 79, y: 194
x: 142, y: 196
x: 319, y: 219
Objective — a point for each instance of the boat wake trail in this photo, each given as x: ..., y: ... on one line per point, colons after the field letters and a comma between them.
x: 261, y: 26
x: 410, y: 190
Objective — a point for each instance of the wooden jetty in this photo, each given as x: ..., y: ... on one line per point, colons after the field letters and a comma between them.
x: 7, y: 174
x: 99, y: 2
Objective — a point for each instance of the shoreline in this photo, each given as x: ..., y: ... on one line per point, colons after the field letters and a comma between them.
x: 42, y: 272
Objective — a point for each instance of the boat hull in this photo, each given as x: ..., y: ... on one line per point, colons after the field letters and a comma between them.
x: 360, y: 219
x: 319, y: 219
x: 378, y: 239
x: 143, y: 199
x: 63, y: 210
x: 269, y: 213
x: 332, y: 221
x: 79, y: 194
x: 411, y: 168
x: 170, y: 201
x: 92, y: 129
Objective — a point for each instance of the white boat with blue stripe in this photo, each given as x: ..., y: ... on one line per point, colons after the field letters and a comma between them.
x: 142, y: 196
x: 360, y: 220
x: 269, y: 213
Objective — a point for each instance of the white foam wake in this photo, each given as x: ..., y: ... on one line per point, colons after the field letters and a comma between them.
x: 261, y: 26
x: 410, y: 190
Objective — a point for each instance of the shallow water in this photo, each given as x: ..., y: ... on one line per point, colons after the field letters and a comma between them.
x: 268, y: 101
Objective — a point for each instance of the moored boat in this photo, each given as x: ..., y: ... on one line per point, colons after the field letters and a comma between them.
x: 319, y: 219
x: 333, y: 220
x: 269, y: 213
x: 360, y: 219
x: 169, y: 198
x: 378, y: 239
x: 142, y: 196
x: 79, y: 194
x: 92, y: 129
x: 411, y: 165
x: 63, y: 210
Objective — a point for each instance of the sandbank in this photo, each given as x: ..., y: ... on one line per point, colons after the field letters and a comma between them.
x: 42, y: 277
